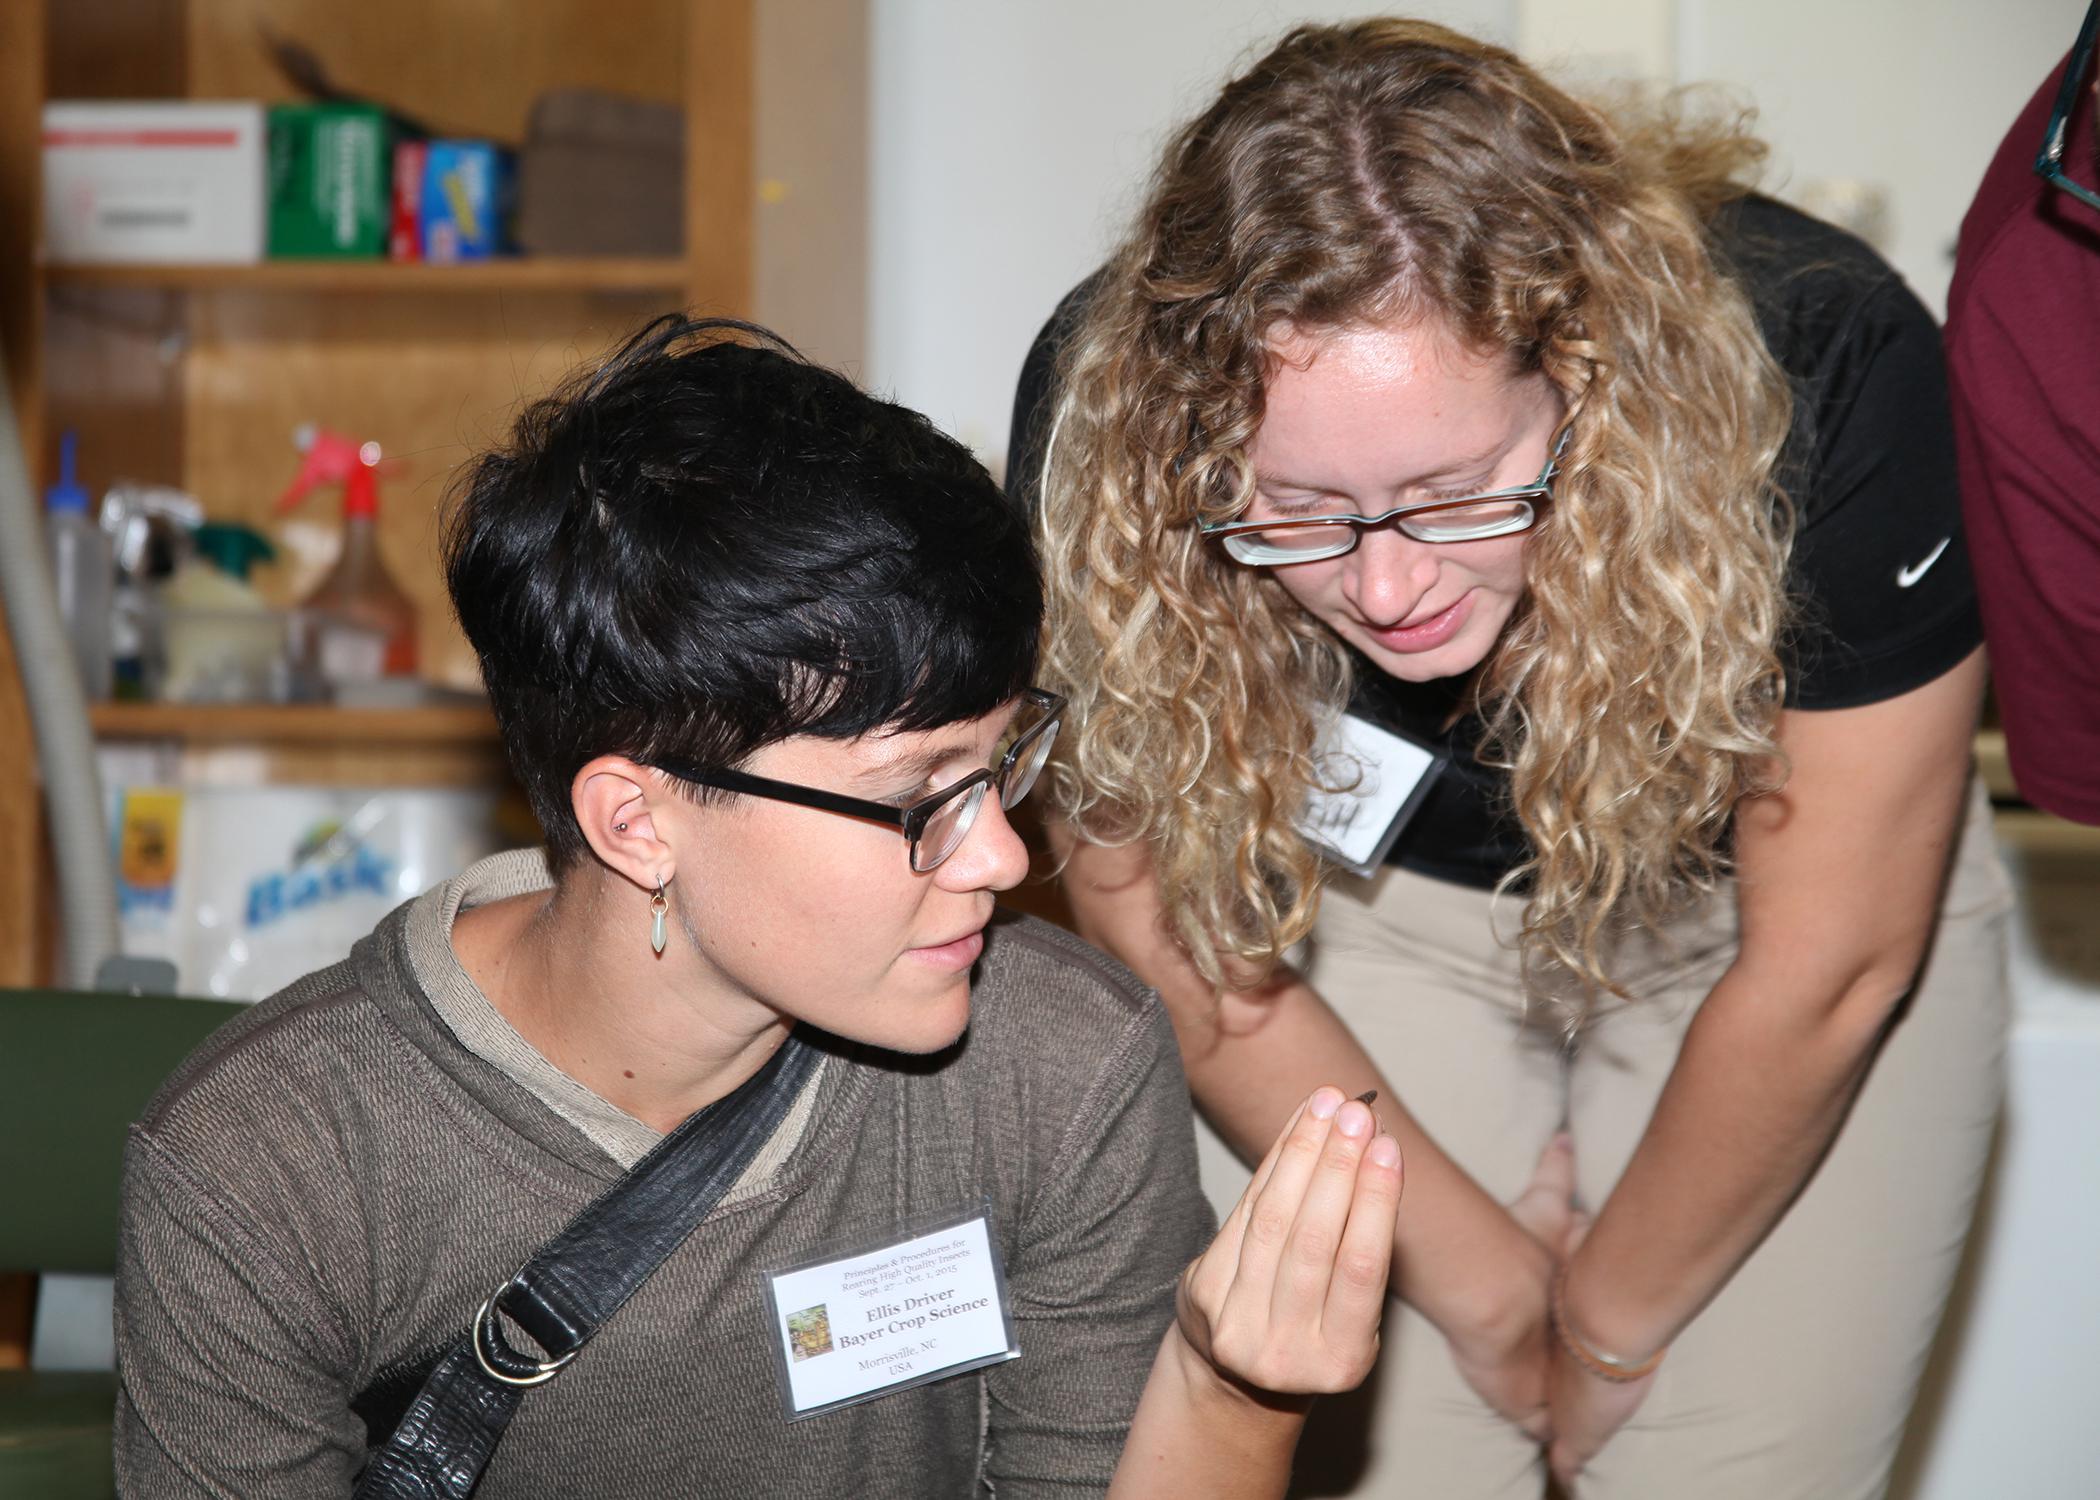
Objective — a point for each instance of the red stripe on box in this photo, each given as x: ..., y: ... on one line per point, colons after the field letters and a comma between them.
x: 142, y: 138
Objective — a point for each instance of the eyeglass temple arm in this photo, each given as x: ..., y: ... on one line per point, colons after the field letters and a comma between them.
x: 806, y: 796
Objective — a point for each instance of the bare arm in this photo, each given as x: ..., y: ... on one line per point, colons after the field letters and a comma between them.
x: 1840, y: 881
x: 1460, y: 1258
x: 1284, y: 1305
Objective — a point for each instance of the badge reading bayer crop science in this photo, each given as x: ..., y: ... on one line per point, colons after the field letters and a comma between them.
x: 923, y: 1302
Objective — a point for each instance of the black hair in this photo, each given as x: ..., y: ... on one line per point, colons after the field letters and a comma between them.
x: 708, y: 544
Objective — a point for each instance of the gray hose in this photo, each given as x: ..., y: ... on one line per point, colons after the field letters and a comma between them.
x: 65, y: 748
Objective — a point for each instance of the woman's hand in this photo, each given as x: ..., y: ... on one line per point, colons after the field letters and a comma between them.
x: 1512, y: 1370
x: 1283, y: 1306
x: 1287, y: 1299
x: 1587, y: 1410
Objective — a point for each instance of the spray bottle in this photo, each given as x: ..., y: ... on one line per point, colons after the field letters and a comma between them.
x: 368, y: 626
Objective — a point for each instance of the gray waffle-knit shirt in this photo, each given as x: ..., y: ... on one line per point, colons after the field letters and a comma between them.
x: 328, y: 1188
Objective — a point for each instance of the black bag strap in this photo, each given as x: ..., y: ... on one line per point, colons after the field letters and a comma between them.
x: 574, y: 1283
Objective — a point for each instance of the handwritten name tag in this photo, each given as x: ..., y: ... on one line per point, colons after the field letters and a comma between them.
x: 895, y: 1314
x: 1357, y: 825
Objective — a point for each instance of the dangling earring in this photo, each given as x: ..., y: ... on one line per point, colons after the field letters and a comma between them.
x: 659, y: 908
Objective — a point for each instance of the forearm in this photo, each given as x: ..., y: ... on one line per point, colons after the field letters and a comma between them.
x: 1194, y: 1434
x: 1838, y: 890
x: 1252, y: 1056
x: 1759, y: 1091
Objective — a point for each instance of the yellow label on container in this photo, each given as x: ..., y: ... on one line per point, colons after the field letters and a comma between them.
x: 149, y: 837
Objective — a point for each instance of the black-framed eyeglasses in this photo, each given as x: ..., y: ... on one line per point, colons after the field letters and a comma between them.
x: 1462, y: 518
x: 2049, y: 165
x: 937, y: 823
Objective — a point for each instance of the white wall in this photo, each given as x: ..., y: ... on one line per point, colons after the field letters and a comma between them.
x: 1910, y: 95
x: 1008, y: 140
x: 810, y: 151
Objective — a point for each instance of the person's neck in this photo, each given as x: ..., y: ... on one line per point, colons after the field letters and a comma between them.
x: 572, y: 970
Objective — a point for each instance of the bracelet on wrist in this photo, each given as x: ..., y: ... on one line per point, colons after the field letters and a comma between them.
x: 1603, y: 1366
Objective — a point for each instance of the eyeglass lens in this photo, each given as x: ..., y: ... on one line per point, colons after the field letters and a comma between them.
x: 947, y: 828
x: 1028, y: 765
x: 951, y: 822
x: 1460, y: 523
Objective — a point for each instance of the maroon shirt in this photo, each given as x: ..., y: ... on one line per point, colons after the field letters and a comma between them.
x: 2023, y: 356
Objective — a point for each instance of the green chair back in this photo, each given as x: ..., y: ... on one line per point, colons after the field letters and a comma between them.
x: 75, y: 1071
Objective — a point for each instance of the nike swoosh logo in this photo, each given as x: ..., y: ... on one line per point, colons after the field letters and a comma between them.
x: 1905, y: 577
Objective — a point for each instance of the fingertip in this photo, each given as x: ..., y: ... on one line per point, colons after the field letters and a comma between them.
x: 1384, y: 1152
x: 1326, y: 1100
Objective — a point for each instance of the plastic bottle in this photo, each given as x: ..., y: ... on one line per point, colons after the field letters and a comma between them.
x: 80, y: 573
x: 225, y: 644
x: 368, y: 626
x: 149, y: 528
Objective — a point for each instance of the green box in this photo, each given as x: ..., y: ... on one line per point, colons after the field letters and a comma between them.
x: 331, y: 180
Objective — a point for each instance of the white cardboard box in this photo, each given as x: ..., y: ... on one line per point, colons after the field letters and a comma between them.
x: 170, y: 181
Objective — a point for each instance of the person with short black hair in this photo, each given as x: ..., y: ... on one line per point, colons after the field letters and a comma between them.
x: 761, y: 648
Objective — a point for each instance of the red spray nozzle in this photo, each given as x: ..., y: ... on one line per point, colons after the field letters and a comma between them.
x: 331, y: 458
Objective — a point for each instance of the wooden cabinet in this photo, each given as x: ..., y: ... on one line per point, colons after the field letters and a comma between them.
x: 197, y: 376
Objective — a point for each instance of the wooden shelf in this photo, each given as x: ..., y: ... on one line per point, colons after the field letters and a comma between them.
x: 293, y: 724
x: 192, y: 375
x: 520, y: 274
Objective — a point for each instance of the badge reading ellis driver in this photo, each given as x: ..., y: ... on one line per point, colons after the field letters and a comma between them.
x: 889, y: 1315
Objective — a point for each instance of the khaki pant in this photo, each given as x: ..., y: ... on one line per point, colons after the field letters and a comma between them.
x: 1797, y: 1380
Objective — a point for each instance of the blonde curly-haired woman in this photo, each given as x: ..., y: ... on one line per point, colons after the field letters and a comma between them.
x: 1423, y: 392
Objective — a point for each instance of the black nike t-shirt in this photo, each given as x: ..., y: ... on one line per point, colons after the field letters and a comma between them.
x: 1879, y: 576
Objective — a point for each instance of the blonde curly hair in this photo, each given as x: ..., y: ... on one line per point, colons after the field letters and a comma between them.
x: 1390, y: 171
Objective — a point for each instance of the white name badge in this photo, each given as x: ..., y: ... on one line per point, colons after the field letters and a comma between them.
x: 891, y: 1314
x: 1390, y: 775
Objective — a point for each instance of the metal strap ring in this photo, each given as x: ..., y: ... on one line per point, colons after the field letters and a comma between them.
x: 485, y: 1337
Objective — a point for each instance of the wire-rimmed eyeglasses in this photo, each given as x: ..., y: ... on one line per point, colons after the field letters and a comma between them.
x: 937, y: 823
x: 2049, y: 164
x: 1461, y: 518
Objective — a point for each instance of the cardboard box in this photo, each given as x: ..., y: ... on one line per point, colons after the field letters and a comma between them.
x: 331, y: 180
x: 156, y: 181
x: 467, y: 197
x: 404, y: 240
x: 602, y: 175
